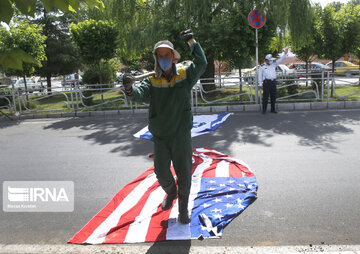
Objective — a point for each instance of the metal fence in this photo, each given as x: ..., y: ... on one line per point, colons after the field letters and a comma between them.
x: 223, y: 90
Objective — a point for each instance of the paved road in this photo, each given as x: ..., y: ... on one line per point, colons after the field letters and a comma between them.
x: 306, y: 163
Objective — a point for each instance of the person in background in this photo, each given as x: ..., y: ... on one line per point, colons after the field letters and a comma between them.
x: 267, y: 79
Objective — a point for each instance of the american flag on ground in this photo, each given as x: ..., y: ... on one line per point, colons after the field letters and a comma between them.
x: 202, y: 124
x: 222, y: 187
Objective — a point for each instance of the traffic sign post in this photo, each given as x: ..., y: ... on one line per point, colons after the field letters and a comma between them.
x: 256, y: 20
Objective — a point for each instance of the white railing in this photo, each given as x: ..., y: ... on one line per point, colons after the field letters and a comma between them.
x: 224, y: 90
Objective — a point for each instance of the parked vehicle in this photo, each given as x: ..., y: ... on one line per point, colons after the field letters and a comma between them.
x: 71, y: 80
x: 282, y: 69
x: 33, y: 84
x: 344, y: 67
x: 314, y: 67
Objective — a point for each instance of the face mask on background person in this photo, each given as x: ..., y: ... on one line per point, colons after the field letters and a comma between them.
x: 165, y: 63
x: 271, y: 61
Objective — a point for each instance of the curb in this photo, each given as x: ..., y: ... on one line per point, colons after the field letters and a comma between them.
x: 287, y: 107
x: 164, y: 249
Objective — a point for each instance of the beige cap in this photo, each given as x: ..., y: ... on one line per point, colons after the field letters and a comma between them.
x: 166, y: 44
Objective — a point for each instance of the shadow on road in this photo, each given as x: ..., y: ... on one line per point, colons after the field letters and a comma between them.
x: 115, y: 130
x: 313, y: 129
x: 180, y: 247
x: 8, y: 123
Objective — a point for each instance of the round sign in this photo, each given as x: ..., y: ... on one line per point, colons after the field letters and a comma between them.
x: 257, y: 18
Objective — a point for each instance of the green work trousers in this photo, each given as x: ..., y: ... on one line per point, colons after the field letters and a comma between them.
x: 177, y: 149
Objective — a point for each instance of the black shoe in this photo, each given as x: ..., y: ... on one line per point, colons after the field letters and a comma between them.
x: 273, y: 111
x: 171, y: 195
x: 184, y: 217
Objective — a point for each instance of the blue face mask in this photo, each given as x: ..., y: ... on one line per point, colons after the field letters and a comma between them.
x: 165, y: 63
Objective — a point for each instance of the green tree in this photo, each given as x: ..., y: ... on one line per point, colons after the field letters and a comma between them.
x: 24, y: 38
x: 349, y: 17
x: 9, y: 7
x: 14, y: 59
x: 221, y: 26
x: 308, y: 50
x: 61, y: 57
x: 131, y: 19
x: 332, y: 36
x: 95, y: 41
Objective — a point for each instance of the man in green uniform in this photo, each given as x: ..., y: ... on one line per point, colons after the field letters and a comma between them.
x: 170, y: 117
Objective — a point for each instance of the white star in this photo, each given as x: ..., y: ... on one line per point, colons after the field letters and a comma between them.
x: 231, y: 189
x: 231, y: 181
x: 205, y: 205
x: 239, y: 205
x: 228, y: 196
x: 216, y: 210
x: 212, y: 181
x: 222, y: 185
x: 217, y: 200
x: 218, y: 216
x: 241, y: 185
x: 211, y: 189
x: 229, y: 205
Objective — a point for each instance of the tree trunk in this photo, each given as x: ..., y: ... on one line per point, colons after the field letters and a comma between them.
x: 209, y: 83
x: 220, y: 65
x: 26, y: 93
x: 332, y: 83
x: 46, y: 29
x: 306, y: 72
x: 100, y: 80
x: 48, y: 83
x: 240, y: 83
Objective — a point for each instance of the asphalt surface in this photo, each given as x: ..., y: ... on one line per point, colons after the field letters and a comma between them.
x: 306, y: 164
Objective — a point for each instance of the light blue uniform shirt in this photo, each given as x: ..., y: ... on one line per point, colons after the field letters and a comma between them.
x: 269, y: 71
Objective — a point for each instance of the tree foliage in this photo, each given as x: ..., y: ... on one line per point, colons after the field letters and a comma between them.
x: 19, y: 40
x: 95, y: 41
x: 28, y: 7
x: 25, y: 38
x: 61, y: 57
x: 332, y: 35
x: 349, y: 19
x: 9, y: 7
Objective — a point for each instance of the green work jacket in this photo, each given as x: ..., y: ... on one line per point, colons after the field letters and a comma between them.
x: 170, y: 101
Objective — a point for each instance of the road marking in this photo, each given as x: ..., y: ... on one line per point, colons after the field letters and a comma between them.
x: 168, y: 248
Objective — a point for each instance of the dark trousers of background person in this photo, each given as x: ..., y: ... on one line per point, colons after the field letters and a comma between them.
x: 269, y: 88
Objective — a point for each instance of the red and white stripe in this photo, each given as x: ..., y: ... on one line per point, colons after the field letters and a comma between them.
x: 134, y: 214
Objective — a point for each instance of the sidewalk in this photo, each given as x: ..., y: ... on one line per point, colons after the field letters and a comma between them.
x: 299, y: 106
x: 181, y: 249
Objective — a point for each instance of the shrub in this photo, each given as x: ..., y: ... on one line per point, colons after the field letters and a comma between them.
x: 3, y: 101
x: 89, y: 100
x: 108, y: 76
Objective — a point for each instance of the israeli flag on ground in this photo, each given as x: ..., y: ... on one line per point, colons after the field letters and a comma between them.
x: 202, y: 124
